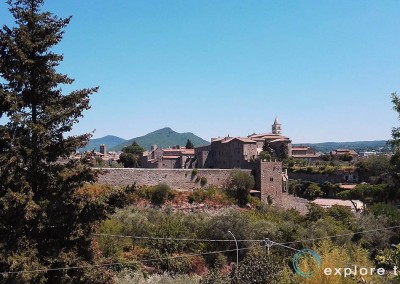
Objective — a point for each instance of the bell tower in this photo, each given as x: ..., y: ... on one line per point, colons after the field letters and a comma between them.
x: 276, y: 127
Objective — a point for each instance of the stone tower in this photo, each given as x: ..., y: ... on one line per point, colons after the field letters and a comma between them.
x: 103, y: 149
x: 277, y: 127
x: 269, y: 182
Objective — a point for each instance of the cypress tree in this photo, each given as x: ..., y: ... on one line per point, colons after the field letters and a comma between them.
x: 189, y: 144
x: 45, y: 219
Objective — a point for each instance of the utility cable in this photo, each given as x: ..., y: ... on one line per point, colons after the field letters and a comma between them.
x: 341, y: 235
x: 170, y: 239
x: 117, y: 263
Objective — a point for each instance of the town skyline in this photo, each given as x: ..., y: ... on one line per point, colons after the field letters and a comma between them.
x: 325, y: 69
x: 228, y: 135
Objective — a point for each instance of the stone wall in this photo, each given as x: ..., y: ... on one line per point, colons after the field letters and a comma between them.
x: 180, y: 179
x: 268, y: 181
x: 296, y: 203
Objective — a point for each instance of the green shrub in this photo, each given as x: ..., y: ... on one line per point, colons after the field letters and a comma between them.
x: 179, y: 265
x: 203, y: 181
x: 194, y: 172
x: 255, y: 201
x: 161, y: 193
x: 127, y: 276
x: 112, y: 247
x: 240, y: 185
x: 211, y: 194
x: 198, y: 196
x: 216, y: 277
x: 197, y: 179
x: 258, y: 268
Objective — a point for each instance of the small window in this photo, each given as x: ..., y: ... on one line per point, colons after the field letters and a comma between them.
x: 271, y: 179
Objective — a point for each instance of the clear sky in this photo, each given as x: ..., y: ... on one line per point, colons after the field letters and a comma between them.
x: 325, y: 68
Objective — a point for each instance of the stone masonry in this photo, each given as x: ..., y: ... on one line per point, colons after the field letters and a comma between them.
x: 269, y: 181
x: 180, y: 179
x: 268, y: 176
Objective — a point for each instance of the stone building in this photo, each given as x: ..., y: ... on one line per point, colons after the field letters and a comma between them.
x: 338, y: 154
x: 176, y: 157
x: 227, y: 153
x: 275, y: 139
x: 103, y: 149
x: 305, y: 153
x: 241, y: 152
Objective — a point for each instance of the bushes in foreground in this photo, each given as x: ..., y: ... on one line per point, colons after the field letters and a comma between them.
x: 157, y: 194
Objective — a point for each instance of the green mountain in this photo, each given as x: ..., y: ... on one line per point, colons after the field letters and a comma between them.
x: 164, y: 137
x: 109, y: 140
x: 358, y: 146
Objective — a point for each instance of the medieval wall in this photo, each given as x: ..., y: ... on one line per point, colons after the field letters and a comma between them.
x: 180, y: 179
x: 268, y: 181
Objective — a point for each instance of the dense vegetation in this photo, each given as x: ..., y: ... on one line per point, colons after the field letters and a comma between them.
x: 47, y: 214
x: 131, y: 156
x: 58, y: 226
x: 186, y: 251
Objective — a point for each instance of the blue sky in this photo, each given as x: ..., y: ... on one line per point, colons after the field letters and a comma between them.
x: 325, y: 68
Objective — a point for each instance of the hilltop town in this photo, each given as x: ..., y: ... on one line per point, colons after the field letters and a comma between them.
x: 299, y: 165
x: 179, y: 209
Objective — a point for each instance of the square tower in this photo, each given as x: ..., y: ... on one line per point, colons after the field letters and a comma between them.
x: 269, y: 182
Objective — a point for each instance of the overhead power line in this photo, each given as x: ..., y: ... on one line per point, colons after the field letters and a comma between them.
x: 170, y: 239
x: 188, y: 255
x: 342, y: 235
x: 117, y: 263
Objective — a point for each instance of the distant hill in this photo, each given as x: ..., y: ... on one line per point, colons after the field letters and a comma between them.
x: 358, y: 146
x: 164, y: 137
x: 109, y: 140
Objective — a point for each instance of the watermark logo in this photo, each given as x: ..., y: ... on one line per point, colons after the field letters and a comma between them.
x: 309, y: 257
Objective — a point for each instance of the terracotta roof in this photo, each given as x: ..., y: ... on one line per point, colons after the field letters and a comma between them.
x: 262, y: 134
x: 262, y: 137
x: 278, y: 140
x: 300, y: 148
x: 245, y: 140
x: 170, y: 157
x: 179, y: 151
x: 306, y: 155
x: 217, y: 139
x: 230, y: 139
x: 347, y: 186
x: 344, y: 151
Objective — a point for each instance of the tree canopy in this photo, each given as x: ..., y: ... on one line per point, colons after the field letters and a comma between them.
x: 189, y: 144
x: 46, y: 218
x: 131, y: 156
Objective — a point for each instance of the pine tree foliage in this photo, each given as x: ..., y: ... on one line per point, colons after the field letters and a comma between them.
x: 189, y: 144
x: 395, y: 143
x: 45, y: 222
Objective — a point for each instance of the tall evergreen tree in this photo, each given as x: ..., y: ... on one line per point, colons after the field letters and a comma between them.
x: 132, y: 156
x: 189, y: 144
x: 395, y: 143
x: 283, y: 151
x: 45, y: 220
